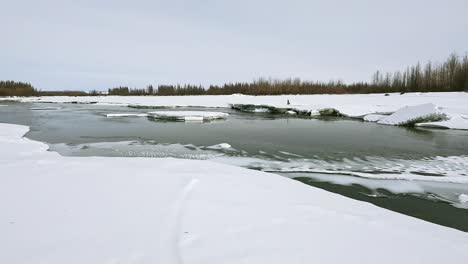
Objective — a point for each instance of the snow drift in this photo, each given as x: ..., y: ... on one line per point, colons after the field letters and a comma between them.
x: 411, y: 115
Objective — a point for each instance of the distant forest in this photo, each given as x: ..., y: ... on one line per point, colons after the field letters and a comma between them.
x: 449, y: 76
x: 12, y: 88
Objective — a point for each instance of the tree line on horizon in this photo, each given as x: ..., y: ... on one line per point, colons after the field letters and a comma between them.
x: 451, y: 75
x: 12, y: 88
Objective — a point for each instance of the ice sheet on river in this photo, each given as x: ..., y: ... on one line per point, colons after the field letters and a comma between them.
x: 452, y: 169
x: 187, y: 115
x: 127, y: 115
x: 411, y: 115
x: 454, y: 122
x: 101, y: 210
x: 373, y: 117
x: 352, y: 105
x: 44, y: 108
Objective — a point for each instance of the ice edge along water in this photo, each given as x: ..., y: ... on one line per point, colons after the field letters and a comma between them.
x: 450, y: 169
x: 136, y: 210
x: 450, y: 106
x: 444, y: 178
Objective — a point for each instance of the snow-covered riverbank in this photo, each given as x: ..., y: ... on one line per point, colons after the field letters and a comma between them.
x: 139, y: 210
x: 450, y: 108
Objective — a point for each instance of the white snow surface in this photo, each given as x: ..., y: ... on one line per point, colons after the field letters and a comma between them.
x: 409, y: 114
x: 139, y: 210
x: 188, y: 115
x: 221, y: 146
x: 373, y: 117
x: 261, y: 110
x: 196, y: 119
x: 455, y: 122
x: 352, y: 105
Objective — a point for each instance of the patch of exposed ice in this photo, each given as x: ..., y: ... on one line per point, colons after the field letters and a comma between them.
x: 260, y: 110
x: 438, y: 169
x: 397, y: 176
x: 44, y: 108
x: 187, y: 115
x: 111, y: 104
x: 194, y: 119
x: 452, y: 169
x: 411, y: 115
x: 314, y: 112
x: 290, y: 154
x: 463, y: 198
x: 220, y: 146
x: 135, y: 149
x: 454, y: 122
x: 383, y: 176
x: 395, y: 186
x: 127, y: 115
x: 447, y: 192
x: 373, y: 117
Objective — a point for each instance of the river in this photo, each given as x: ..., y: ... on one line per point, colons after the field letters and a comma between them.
x: 401, y: 169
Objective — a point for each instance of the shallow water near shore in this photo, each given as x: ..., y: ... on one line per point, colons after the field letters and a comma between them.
x: 402, y: 169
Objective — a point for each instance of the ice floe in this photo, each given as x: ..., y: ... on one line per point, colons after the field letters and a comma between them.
x: 373, y: 117
x: 439, y: 178
x: 463, y: 198
x: 127, y: 115
x: 100, y: 210
x: 454, y: 122
x: 44, y: 108
x: 187, y: 115
x: 444, y: 192
x: 290, y: 154
x: 411, y: 115
x: 136, y: 149
x: 220, y: 146
x: 260, y: 110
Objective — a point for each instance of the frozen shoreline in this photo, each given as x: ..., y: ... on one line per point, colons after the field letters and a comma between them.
x: 451, y: 105
x: 95, y: 210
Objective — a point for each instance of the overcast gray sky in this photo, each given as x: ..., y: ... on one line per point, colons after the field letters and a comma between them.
x: 60, y: 44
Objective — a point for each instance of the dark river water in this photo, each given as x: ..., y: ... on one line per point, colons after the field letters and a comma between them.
x: 392, y: 167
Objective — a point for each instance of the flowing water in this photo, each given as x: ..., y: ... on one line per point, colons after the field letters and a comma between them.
x: 418, y: 172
